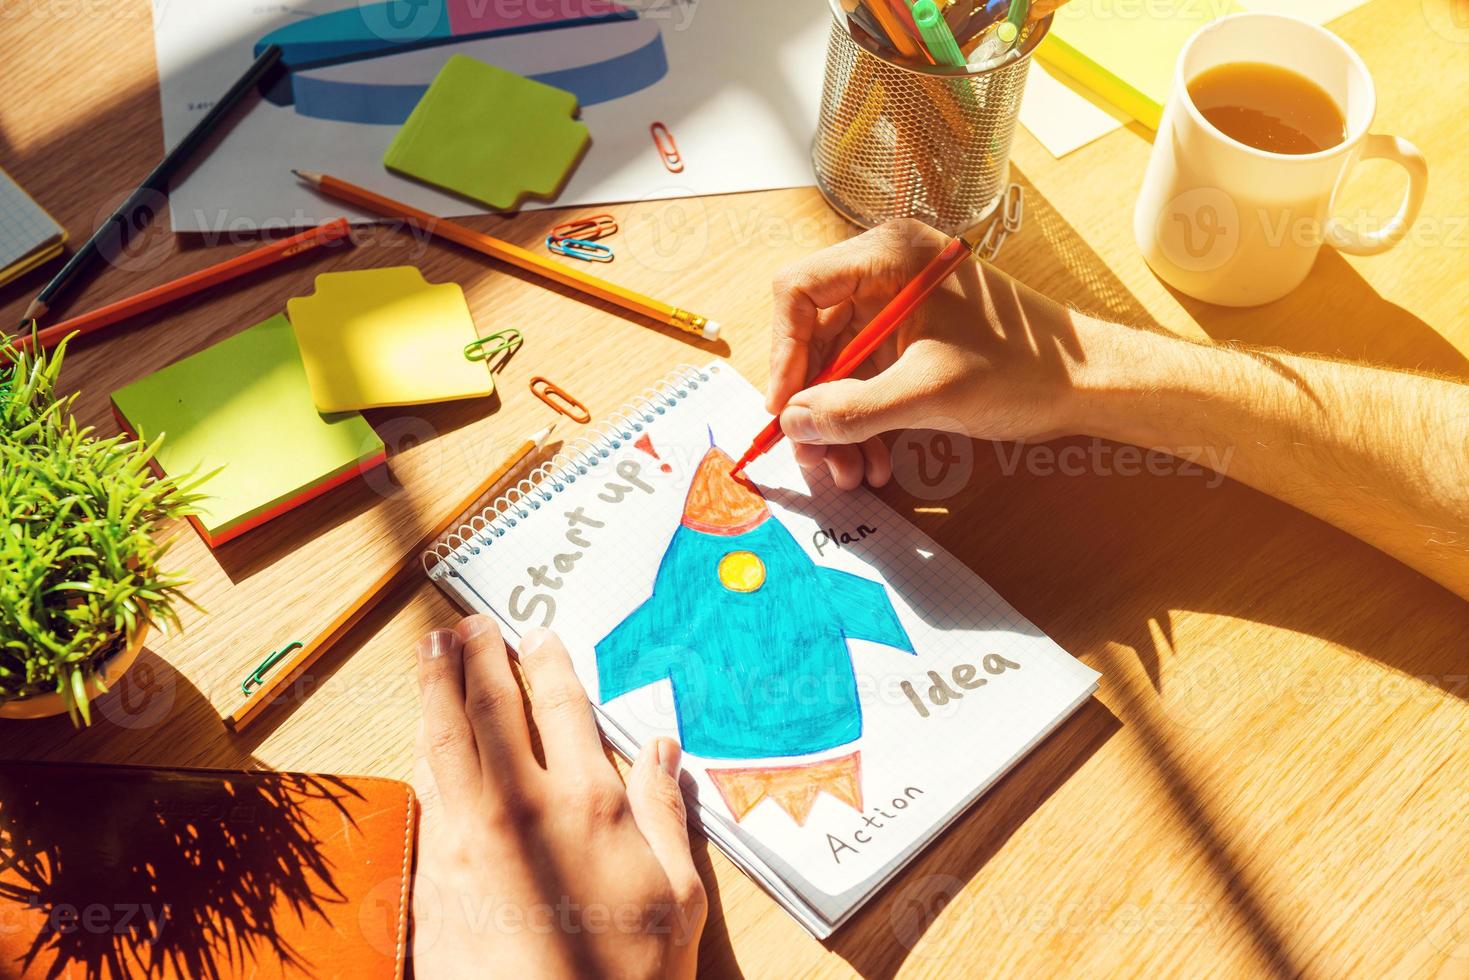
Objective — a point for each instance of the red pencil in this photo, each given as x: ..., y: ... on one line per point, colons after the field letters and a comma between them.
x: 194, y: 282
x: 883, y: 325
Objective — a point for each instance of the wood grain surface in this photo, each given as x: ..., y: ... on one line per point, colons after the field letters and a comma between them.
x: 1272, y: 779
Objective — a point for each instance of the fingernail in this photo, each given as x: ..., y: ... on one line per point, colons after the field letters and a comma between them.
x: 798, y: 423
x: 669, y: 755
x: 534, y: 640
x: 472, y: 626
x: 437, y: 644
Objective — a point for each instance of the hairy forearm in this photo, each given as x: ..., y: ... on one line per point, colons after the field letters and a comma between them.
x: 1381, y: 454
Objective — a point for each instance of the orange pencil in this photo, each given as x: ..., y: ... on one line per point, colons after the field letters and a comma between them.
x: 194, y: 282
x: 496, y: 248
x: 891, y: 22
x: 257, y: 699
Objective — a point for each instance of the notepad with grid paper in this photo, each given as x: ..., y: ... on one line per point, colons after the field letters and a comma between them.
x: 28, y: 235
x: 843, y: 687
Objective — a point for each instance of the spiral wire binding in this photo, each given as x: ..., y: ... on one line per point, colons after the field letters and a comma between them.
x: 575, y: 460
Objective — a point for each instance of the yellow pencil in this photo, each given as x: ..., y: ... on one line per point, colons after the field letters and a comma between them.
x: 259, y: 697
x: 459, y: 234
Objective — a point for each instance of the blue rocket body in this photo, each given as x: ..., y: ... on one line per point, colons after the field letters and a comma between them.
x: 756, y: 673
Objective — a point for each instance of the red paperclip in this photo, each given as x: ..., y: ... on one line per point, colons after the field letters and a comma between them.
x: 667, y: 148
x: 560, y: 402
x: 587, y: 229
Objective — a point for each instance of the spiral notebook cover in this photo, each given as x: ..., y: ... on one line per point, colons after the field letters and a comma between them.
x: 125, y: 871
x: 821, y: 660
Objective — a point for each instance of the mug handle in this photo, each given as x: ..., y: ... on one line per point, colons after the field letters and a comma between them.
x: 1410, y: 158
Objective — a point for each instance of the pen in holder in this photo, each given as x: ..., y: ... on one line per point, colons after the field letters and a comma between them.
x: 903, y: 140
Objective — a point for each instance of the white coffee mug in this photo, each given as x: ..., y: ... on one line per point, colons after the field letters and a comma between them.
x: 1231, y: 224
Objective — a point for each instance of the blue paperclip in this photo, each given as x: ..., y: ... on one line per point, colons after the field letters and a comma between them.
x: 579, y: 248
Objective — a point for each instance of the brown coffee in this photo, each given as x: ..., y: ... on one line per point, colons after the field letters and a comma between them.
x: 1268, y: 107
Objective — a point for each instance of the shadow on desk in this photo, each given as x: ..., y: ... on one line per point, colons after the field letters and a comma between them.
x: 191, y: 876
x: 883, y: 934
x: 145, y: 719
x: 1109, y: 562
x: 189, y: 884
x: 1337, y: 313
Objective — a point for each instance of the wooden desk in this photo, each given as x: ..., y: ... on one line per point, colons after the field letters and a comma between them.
x: 1272, y: 779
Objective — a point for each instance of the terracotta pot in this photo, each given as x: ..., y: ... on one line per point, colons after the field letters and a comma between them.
x: 50, y: 704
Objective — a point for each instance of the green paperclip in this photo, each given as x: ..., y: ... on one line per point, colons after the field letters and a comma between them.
x: 508, y: 340
x: 257, y: 676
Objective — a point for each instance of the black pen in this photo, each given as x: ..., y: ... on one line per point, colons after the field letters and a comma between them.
x: 133, y: 213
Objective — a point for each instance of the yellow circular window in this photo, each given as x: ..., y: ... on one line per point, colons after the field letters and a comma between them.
x: 741, y: 571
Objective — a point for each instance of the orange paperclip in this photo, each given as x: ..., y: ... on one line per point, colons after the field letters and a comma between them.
x: 667, y: 148
x: 587, y: 229
x: 561, y: 402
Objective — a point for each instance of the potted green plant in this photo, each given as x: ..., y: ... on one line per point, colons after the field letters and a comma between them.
x: 80, y: 543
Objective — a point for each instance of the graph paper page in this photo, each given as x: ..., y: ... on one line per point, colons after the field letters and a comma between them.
x: 830, y: 730
x: 24, y: 226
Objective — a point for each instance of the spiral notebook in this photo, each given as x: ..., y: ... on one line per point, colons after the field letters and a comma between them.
x: 843, y: 688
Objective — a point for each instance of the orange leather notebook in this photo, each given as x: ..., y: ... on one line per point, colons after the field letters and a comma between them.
x: 125, y: 871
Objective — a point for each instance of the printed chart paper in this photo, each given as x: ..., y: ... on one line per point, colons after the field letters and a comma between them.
x: 737, y: 85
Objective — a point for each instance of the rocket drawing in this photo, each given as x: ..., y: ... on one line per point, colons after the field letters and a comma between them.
x: 752, y: 635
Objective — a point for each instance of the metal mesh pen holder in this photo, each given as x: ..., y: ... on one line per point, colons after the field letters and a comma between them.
x: 921, y: 142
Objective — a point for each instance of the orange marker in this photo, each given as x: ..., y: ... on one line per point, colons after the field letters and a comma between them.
x: 194, y: 282
x: 883, y: 326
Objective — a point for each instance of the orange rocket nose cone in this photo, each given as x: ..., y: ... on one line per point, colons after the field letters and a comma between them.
x: 720, y: 502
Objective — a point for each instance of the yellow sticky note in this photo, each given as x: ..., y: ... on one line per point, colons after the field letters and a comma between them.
x: 380, y: 337
x: 1125, y: 51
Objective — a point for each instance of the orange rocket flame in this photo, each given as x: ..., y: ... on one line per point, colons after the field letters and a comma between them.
x: 794, y: 788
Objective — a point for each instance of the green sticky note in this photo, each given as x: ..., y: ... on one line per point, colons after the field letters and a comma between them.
x: 243, y: 407
x: 490, y: 135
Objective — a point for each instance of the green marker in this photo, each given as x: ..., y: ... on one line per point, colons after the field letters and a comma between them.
x: 936, y: 34
x: 1010, y: 29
